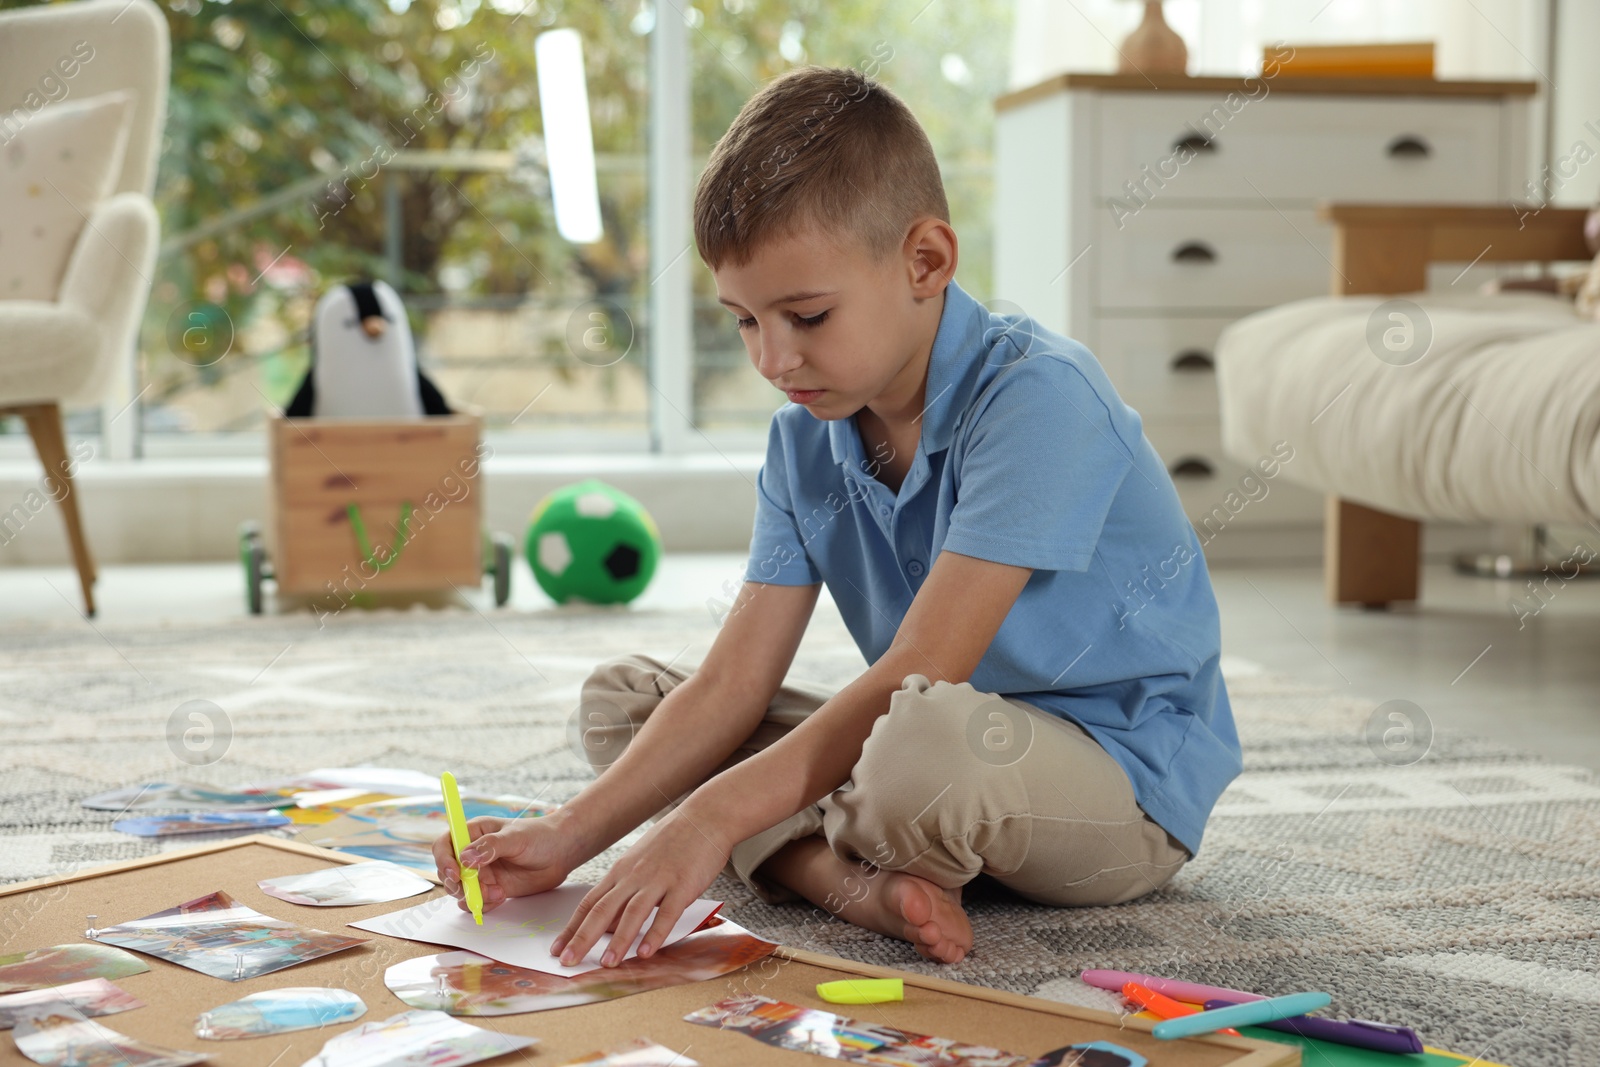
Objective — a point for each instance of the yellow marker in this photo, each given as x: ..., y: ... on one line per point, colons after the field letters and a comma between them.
x: 862, y: 990
x: 461, y: 839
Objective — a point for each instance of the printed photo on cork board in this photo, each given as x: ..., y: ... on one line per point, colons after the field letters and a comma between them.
x: 214, y: 935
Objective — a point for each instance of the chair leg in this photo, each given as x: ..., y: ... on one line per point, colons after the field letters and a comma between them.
x: 50, y: 441
x: 1370, y: 557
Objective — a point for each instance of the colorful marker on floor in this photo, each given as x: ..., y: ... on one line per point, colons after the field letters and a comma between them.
x: 1187, y: 992
x: 1360, y: 1033
x: 1162, y: 1006
x: 1257, y: 1011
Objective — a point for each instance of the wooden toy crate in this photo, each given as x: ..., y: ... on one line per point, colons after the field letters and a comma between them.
x: 370, y: 506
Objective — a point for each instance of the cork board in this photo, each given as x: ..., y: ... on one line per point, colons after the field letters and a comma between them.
x: 54, y: 911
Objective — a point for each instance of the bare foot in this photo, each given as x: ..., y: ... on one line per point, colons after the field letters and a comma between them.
x: 896, y: 904
x: 916, y: 910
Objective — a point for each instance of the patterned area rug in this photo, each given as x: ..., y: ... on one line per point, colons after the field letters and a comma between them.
x: 1459, y: 894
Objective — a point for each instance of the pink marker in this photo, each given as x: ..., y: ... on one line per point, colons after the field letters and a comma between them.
x: 1188, y: 992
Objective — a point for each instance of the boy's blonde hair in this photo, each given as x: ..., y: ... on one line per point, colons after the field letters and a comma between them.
x: 817, y: 146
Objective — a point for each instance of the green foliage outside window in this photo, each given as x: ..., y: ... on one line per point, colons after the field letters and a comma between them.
x: 301, y: 106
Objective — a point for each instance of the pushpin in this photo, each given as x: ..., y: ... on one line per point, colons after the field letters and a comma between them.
x: 862, y: 990
x: 92, y: 933
x: 203, y: 1027
x: 238, y: 966
x: 444, y: 997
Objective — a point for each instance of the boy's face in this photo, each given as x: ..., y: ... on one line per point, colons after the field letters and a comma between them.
x: 823, y: 319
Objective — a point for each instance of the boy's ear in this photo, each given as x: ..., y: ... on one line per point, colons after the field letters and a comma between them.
x: 931, y: 253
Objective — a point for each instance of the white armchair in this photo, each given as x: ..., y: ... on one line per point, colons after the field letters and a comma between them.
x: 77, y: 347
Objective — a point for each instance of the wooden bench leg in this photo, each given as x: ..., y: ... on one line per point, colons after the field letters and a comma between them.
x: 1370, y: 557
x: 50, y: 441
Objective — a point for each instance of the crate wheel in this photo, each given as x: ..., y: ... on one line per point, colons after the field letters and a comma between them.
x: 249, y: 533
x: 503, y: 551
x: 254, y: 572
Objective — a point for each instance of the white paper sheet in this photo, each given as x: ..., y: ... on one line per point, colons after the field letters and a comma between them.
x: 519, y: 932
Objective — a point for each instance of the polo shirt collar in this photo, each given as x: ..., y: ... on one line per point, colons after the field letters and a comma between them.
x: 958, y: 347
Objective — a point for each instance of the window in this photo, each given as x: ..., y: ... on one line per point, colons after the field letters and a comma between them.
x: 309, y: 144
x: 947, y: 61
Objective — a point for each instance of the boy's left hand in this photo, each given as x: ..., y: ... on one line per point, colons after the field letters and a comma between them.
x: 668, y: 868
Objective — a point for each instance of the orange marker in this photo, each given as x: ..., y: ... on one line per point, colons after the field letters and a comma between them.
x: 1164, y: 1006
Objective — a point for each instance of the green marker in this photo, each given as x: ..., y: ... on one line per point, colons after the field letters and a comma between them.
x: 461, y: 839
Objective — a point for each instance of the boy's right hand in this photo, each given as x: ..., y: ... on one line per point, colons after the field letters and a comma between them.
x: 514, y: 858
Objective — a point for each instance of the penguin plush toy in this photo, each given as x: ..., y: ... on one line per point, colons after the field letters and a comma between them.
x: 363, y: 361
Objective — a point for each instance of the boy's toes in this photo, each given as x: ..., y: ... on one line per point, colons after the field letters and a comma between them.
x: 916, y: 909
x: 948, y: 950
x: 935, y: 923
x: 922, y: 937
x: 931, y: 946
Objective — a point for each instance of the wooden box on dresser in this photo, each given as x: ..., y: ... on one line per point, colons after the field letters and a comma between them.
x: 1141, y: 215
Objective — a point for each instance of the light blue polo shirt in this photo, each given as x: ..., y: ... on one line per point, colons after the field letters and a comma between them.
x: 1027, y: 457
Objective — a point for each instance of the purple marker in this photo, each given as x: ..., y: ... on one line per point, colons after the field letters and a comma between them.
x: 1360, y: 1033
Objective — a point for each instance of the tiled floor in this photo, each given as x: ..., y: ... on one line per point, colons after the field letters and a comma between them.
x: 1459, y: 655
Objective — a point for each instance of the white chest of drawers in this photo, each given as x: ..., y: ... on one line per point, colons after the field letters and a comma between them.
x: 1141, y: 218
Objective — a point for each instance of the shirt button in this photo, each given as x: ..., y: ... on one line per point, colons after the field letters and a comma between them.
x: 915, y: 567
x: 884, y: 510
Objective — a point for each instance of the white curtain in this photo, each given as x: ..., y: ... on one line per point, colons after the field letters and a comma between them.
x: 1474, y: 38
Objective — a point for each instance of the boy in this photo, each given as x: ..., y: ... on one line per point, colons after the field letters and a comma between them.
x: 1043, y: 705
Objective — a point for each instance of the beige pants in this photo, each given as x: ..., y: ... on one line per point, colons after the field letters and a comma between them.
x: 951, y: 783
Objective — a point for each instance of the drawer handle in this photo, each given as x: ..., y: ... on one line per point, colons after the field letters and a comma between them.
x: 1409, y: 146
x: 1194, y: 142
x: 1191, y: 467
x: 1194, y: 252
x: 1192, y: 360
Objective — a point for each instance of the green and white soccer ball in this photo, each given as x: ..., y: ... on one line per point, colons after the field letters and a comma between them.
x: 592, y: 542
